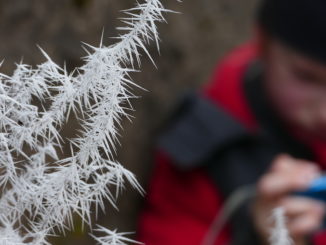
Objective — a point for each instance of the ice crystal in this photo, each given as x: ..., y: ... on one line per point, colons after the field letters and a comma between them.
x: 38, y: 196
x: 279, y: 233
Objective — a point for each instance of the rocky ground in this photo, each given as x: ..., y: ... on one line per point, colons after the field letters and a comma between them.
x: 192, y: 42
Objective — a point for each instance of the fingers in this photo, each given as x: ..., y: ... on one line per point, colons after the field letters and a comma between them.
x: 295, y: 206
x: 286, y: 163
x: 274, y: 185
x: 304, y: 225
x: 303, y: 215
x: 287, y: 175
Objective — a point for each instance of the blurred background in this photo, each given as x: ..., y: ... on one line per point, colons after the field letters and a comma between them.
x: 192, y: 43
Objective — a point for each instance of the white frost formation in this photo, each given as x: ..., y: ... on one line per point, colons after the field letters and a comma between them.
x: 39, y: 195
x: 113, y: 238
x: 279, y: 233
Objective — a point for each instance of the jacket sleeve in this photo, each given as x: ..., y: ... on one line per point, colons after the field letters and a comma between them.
x: 318, y: 238
x: 180, y: 207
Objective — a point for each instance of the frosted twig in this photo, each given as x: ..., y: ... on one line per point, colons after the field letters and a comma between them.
x: 47, y: 194
x: 279, y: 233
x: 112, y: 237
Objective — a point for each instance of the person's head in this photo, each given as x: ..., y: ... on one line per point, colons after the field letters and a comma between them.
x: 292, y: 38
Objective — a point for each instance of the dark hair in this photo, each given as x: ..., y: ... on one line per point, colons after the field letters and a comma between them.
x: 300, y: 24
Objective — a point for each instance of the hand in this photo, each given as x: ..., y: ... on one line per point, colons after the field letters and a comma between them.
x: 304, y: 215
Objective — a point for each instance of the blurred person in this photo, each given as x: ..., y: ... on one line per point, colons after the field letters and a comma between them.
x: 261, y: 121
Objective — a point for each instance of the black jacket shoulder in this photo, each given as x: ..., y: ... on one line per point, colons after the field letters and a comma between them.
x: 197, y: 130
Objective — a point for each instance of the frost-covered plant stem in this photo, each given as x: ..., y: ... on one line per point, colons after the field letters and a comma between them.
x: 279, y: 233
x: 48, y: 194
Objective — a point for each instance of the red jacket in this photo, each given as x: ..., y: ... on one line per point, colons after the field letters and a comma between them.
x: 181, y: 205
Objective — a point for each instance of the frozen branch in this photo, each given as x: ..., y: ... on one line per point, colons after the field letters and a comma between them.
x: 48, y: 194
x: 279, y: 233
